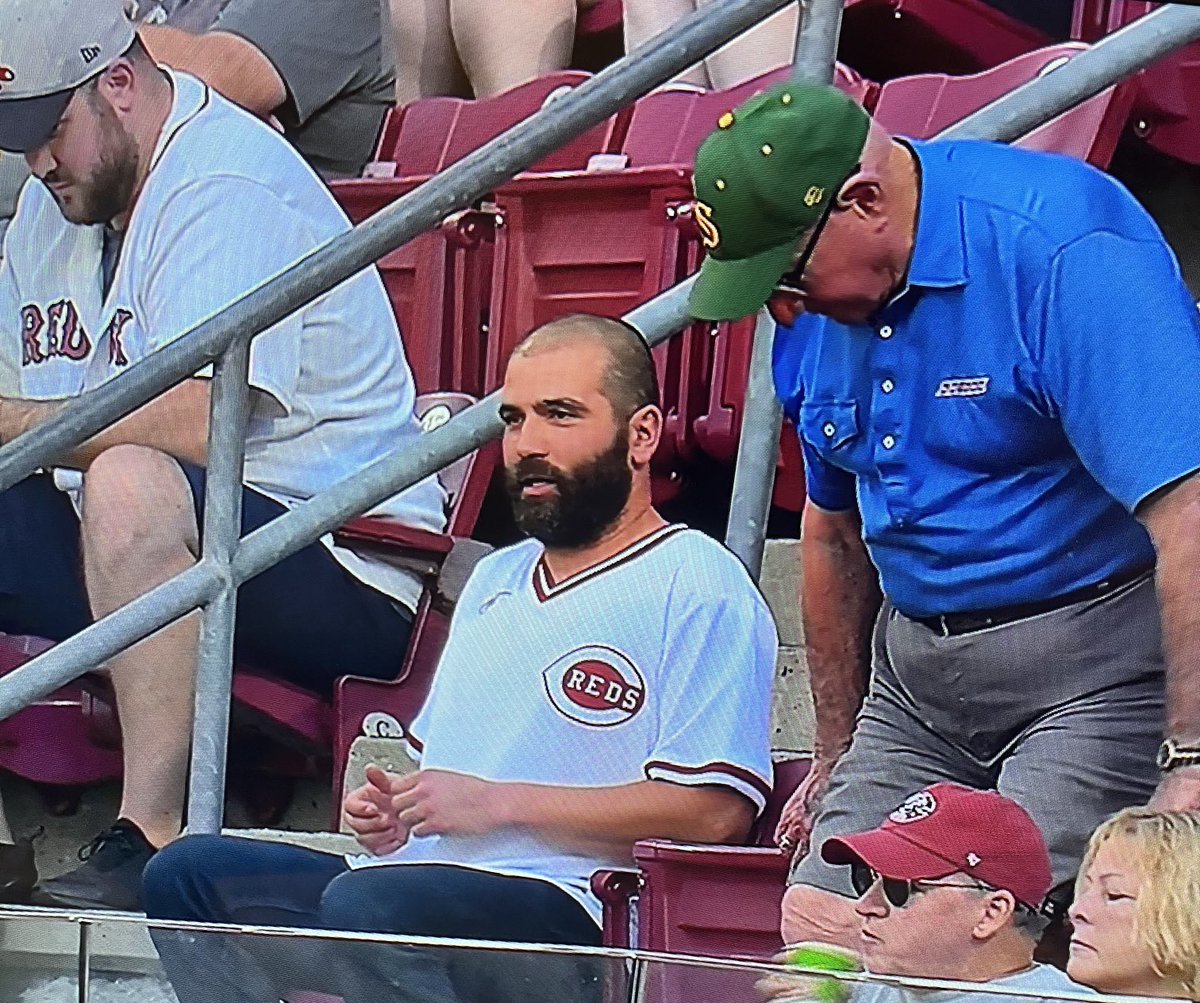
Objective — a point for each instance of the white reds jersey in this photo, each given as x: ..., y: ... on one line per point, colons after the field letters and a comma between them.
x: 656, y: 664
x: 227, y: 204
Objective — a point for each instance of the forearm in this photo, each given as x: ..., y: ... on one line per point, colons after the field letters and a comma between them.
x: 226, y: 62
x: 614, y: 818
x: 1174, y: 525
x: 175, y: 423
x: 839, y: 602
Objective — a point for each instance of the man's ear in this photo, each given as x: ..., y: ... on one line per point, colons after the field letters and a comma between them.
x: 862, y: 195
x: 997, y: 912
x: 117, y: 85
x: 645, y: 430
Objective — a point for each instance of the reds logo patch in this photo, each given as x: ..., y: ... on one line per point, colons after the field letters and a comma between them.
x: 7, y: 76
x: 596, y: 686
x: 920, y: 805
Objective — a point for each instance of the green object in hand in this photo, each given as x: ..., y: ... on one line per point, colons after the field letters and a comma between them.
x: 821, y: 957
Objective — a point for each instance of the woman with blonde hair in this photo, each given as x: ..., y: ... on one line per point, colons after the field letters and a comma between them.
x: 1137, y: 906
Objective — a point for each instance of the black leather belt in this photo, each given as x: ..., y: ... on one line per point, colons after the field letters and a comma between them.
x: 964, y: 623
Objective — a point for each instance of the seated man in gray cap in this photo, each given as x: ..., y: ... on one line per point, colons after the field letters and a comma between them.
x: 155, y: 203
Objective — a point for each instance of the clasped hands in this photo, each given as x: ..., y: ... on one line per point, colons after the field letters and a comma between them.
x: 389, y: 808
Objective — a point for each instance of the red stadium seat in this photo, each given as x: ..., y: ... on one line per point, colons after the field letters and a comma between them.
x: 51, y: 742
x: 439, y: 283
x: 922, y: 106
x: 1166, y: 102
x: 715, y: 901
x: 429, y: 135
x: 641, y: 238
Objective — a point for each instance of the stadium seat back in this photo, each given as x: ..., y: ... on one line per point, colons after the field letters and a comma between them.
x: 922, y: 106
x: 438, y: 285
x: 1166, y: 95
x: 668, y: 126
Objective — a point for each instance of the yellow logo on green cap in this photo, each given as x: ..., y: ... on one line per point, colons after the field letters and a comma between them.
x: 710, y: 236
x: 813, y: 195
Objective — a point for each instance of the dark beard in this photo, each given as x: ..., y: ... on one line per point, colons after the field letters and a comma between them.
x: 109, y: 190
x: 587, y: 502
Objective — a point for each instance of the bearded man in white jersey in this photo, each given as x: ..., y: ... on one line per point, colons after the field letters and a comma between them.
x: 153, y: 204
x: 607, y: 680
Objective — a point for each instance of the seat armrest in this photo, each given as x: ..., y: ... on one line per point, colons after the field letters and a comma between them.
x: 710, y: 855
x: 384, y: 532
x: 616, y: 891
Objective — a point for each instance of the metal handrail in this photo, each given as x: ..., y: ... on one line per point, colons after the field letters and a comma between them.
x: 212, y: 583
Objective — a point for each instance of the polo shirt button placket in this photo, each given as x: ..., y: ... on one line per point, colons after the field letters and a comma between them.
x: 886, y: 332
x: 889, y: 441
x: 887, y: 386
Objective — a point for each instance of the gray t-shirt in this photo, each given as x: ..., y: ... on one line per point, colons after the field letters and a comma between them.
x: 13, y: 172
x: 335, y: 59
x: 1040, y: 978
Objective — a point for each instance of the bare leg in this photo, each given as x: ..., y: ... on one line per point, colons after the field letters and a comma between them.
x: 644, y: 19
x: 764, y: 47
x: 810, y: 914
x: 139, y: 529
x: 426, y: 63
x: 503, y: 43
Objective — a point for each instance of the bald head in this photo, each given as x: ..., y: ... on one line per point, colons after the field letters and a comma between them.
x: 629, y: 383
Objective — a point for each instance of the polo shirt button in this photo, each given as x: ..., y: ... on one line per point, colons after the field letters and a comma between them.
x: 887, y: 386
x: 889, y: 441
x: 885, y: 332
x: 829, y: 429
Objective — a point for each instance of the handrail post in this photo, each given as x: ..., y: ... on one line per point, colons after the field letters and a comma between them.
x: 762, y: 417
x: 229, y: 415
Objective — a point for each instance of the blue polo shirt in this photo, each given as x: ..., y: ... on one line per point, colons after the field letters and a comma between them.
x: 1002, y: 416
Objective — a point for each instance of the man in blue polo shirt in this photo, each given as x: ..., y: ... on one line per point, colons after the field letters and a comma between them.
x: 994, y: 367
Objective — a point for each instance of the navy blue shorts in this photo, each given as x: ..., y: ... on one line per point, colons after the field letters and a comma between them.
x: 306, y: 620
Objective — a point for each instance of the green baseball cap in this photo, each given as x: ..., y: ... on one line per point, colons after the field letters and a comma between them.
x: 763, y: 178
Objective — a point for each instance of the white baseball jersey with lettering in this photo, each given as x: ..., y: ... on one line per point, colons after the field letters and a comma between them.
x: 227, y: 204
x: 656, y: 664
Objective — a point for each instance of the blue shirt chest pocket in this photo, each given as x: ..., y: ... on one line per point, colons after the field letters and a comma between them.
x: 832, y: 430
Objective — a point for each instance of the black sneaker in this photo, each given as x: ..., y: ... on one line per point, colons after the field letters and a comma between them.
x: 111, y: 875
x: 18, y: 872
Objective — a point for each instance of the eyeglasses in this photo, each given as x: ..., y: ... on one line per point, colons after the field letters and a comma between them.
x: 792, y: 280
x: 898, y: 891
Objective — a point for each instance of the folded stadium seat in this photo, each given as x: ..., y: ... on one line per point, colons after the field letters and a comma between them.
x: 303, y: 719
x: 51, y: 743
x: 893, y: 38
x: 439, y: 282
x: 637, y: 209
x: 438, y: 285
x: 715, y: 901
x: 922, y: 106
x: 1166, y: 103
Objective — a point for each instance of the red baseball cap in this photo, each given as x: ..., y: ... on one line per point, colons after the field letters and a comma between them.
x: 946, y: 829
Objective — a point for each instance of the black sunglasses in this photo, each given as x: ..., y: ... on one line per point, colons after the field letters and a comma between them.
x: 897, y: 891
x: 790, y: 281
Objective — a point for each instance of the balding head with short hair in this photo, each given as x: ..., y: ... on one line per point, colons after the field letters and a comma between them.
x: 630, y: 381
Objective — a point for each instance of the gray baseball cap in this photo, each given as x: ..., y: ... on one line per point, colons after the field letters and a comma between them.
x: 47, y: 49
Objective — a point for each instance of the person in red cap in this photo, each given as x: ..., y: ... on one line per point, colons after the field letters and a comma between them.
x: 951, y: 886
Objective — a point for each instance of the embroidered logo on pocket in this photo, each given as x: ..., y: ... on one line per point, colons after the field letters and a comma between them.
x: 968, y: 386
